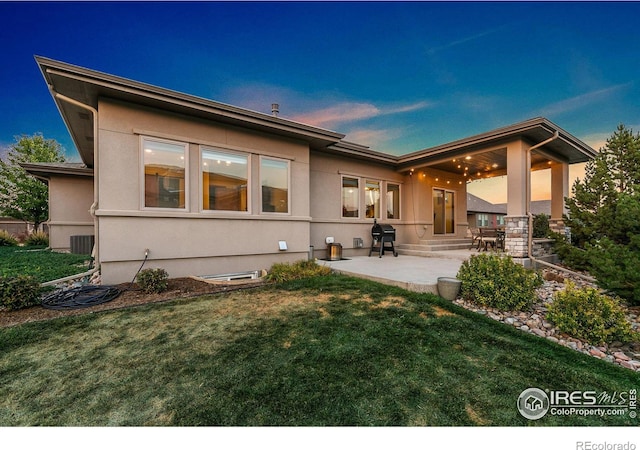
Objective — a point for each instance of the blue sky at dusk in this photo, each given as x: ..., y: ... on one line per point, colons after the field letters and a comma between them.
x: 398, y: 77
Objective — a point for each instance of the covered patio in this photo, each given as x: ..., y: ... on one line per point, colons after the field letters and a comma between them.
x: 514, y: 151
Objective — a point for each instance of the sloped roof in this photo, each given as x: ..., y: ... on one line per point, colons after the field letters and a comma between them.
x: 72, y: 87
x: 476, y: 204
x: 45, y: 170
x: 479, y: 205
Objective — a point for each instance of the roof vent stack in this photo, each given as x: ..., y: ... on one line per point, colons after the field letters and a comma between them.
x: 275, y: 109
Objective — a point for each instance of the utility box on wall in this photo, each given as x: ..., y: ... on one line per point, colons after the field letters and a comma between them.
x: 82, y: 244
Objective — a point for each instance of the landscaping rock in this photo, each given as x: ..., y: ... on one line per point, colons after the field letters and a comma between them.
x: 534, y: 321
x: 621, y: 356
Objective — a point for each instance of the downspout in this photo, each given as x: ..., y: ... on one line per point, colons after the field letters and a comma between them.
x: 94, y: 205
x: 530, y: 215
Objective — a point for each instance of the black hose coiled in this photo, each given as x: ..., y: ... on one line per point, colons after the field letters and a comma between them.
x: 80, y: 297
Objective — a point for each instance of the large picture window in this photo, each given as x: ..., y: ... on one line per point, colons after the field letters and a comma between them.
x: 164, y: 173
x: 350, y: 197
x: 224, y: 181
x: 372, y: 199
x: 274, y: 179
x: 393, y: 201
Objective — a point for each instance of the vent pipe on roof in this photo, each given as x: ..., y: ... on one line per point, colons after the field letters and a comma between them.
x: 275, y: 109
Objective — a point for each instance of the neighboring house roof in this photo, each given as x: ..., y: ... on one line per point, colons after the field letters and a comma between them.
x: 73, y: 86
x: 477, y: 205
x: 537, y: 207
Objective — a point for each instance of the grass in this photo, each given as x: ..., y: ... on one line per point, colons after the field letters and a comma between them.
x: 325, y: 351
x: 43, y: 264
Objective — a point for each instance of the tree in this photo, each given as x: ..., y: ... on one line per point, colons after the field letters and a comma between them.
x: 22, y: 196
x: 604, y: 216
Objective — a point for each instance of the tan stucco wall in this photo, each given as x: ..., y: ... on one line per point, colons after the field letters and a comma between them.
x: 418, y: 206
x: 70, y: 199
x: 326, y: 175
x: 191, y: 241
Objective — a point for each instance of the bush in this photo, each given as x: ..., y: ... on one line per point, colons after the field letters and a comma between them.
x: 541, y: 226
x: 498, y: 282
x: 7, y: 239
x: 282, y: 272
x: 19, y: 292
x: 37, y: 238
x: 588, y: 315
x: 616, y: 267
x: 153, y: 281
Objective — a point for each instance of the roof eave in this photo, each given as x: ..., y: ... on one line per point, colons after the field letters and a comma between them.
x: 96, y: 84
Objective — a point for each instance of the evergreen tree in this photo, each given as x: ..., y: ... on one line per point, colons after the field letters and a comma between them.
x: 604, y: 216
x: 22, y: 196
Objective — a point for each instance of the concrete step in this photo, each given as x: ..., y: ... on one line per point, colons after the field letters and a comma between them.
x: 445, y: 241
x: 437, y: 245
x: 457, y: 255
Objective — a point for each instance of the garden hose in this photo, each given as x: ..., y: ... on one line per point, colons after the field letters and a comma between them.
x: 80, y: 297
x: 87, y: 295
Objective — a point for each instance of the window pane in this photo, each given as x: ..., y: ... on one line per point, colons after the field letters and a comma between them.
x: 350, y: 197
x: 449, y: 212
x: 164, y: 174
x: 274, y: 177
x: 224, y: 181
x: 393, y: 201
x: 438, y: 211
x: 372, y: 199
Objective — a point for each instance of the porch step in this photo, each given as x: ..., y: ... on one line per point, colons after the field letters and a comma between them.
x: 433, y: 248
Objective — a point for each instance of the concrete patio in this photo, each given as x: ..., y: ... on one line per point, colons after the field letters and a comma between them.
x: 414, y: 273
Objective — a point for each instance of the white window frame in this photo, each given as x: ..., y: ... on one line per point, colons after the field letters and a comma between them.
x: 289, y: 187
x: 483, y: 219
x: 204, y: 148
x: 143, y: 187
x: 380, y: 188
x: 358, y: 206
x: 386, y: 191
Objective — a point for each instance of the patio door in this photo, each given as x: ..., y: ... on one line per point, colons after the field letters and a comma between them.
x: 443, y: 211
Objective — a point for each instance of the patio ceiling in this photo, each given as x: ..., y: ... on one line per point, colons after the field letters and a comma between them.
x: 488, y: 164
x: 486, y: 153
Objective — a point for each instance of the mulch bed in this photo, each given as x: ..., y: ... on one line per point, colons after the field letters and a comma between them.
x: 131, y: 296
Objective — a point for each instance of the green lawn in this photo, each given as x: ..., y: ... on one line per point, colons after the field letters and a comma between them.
x: 325, y: 351
x: 43, y: 264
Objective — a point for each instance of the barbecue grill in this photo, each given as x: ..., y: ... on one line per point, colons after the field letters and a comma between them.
x: 382, y: 234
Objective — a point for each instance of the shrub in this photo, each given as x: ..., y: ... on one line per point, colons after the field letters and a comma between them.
x: 588, y: 315
x: 37, y: 238
x: 19, y: 292
x: 498, y: 282
x: 7, y: 239
x: 541, y: 226
x: 153, y: 281
x: 282, y: 272
x: 615, y: 266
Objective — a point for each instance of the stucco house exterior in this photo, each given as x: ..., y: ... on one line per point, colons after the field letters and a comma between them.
x: 212, y: 188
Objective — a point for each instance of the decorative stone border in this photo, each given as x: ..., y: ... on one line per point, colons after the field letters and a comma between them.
x: 534, y: 322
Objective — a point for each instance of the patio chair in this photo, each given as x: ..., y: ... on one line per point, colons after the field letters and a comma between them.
x: 475, y: 237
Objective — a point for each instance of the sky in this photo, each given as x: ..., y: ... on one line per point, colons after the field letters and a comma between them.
x: 397, y: 77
